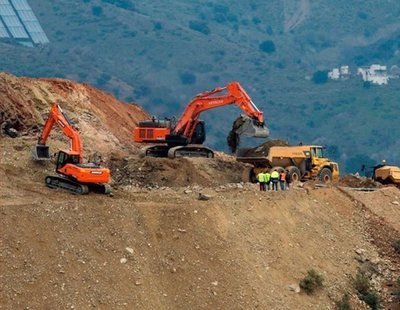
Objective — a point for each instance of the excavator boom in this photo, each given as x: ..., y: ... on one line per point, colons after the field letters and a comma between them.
x: 207, y: 101
x: 190, y: 130
x: 57, y: 116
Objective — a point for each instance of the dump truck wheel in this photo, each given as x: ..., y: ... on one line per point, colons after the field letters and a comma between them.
x: 278, y: 168
x: 325, y: 175
x: 249, y: 176
x: 295, y: 174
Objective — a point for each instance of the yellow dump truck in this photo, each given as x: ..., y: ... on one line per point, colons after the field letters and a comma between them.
x: 386, y: 174
x: 303, y: 162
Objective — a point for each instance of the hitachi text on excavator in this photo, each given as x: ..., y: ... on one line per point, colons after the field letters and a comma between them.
x: 73, y: 175
x: 186, y: 136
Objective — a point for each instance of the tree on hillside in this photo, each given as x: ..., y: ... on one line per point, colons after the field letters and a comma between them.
x: 97, y: 10
x: 320, y: 77
x: 188, y: 78
x: 199, y: 26
x: 267, y: 47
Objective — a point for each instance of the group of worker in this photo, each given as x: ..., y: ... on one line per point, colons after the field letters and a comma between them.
x: 266, y: 179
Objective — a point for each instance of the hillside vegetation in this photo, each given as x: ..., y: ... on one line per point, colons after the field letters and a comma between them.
x: 160, y: 54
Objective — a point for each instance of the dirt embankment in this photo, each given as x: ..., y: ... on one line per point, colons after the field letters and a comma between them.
x: 164, y: 172
x: 104, y: 122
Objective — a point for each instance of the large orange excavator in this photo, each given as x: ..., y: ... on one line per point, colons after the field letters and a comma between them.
x: 73, y: 175
x: 186, y: 136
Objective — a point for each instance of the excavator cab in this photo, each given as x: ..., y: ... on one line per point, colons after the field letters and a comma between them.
x: 40, y: 152
x: 64, y: 158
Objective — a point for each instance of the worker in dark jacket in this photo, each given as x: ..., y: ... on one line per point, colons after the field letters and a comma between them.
x: 288, y: 179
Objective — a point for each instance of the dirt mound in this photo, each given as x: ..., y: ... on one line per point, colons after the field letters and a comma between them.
x: 263, y: 149
x: 175, y: 173
x: 104, y: 122
x: 358, y: 182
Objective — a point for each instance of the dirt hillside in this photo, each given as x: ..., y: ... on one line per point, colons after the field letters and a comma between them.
x: 107, y: 123
x: 155, y: 245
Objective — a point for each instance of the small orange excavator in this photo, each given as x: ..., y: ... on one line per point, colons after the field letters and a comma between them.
x: 74, y: 175
x: 186, y: 136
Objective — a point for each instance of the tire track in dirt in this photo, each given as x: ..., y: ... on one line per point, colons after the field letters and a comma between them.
x: 295, y: 13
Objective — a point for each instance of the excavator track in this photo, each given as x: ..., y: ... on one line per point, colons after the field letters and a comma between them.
x: 155, y: 151
x: 190, y: 151
x: 100, y: 188
x: 75, y: 187
x: 66, y: 184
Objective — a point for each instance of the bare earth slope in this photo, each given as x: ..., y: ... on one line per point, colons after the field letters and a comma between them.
x: 154, y: 245
x: 106, y: 122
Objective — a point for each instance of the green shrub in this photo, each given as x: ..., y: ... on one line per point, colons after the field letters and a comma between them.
x: 97, y: 10
x: 361, y: 283
x: 344, y: 303
x: 320, y: 77
x: 312, y: 281
x: 397, y: 291
x: 157, y: 26
x: 188, y: 78
x: 364, y: 291
x: 371, y: 299
x: 396, y: 246
x: 267, y: 47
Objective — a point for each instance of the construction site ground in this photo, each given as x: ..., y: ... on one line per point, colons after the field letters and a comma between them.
x: 159, y: 247
x: 153, y: 244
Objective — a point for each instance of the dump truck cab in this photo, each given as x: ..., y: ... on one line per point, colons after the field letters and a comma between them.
x: 320, y: 164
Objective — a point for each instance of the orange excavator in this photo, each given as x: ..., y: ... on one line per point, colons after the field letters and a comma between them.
x: 73, y: 175
x: 186, y: 136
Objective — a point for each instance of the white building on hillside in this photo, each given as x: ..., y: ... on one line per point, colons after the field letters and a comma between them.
x: 344, y: 71
x: 339, y: 73
x: 375, y: 74
x: 334, y: 74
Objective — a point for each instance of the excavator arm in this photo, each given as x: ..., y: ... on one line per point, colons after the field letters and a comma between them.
x: 57, y: 116
x: 185, y: 138
x: 208, y: 100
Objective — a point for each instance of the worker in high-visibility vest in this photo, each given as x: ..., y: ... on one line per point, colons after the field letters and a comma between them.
x: 267, y: 179
x: 260, y: 178
x: 275, y: 179
x: 282, y: 179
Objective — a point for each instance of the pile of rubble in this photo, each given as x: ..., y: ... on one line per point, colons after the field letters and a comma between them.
x: 357, y: 181
x: 263, y: 149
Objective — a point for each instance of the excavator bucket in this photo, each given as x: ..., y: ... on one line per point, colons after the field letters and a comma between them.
x: 246, y: 126
x: 40, y: 152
